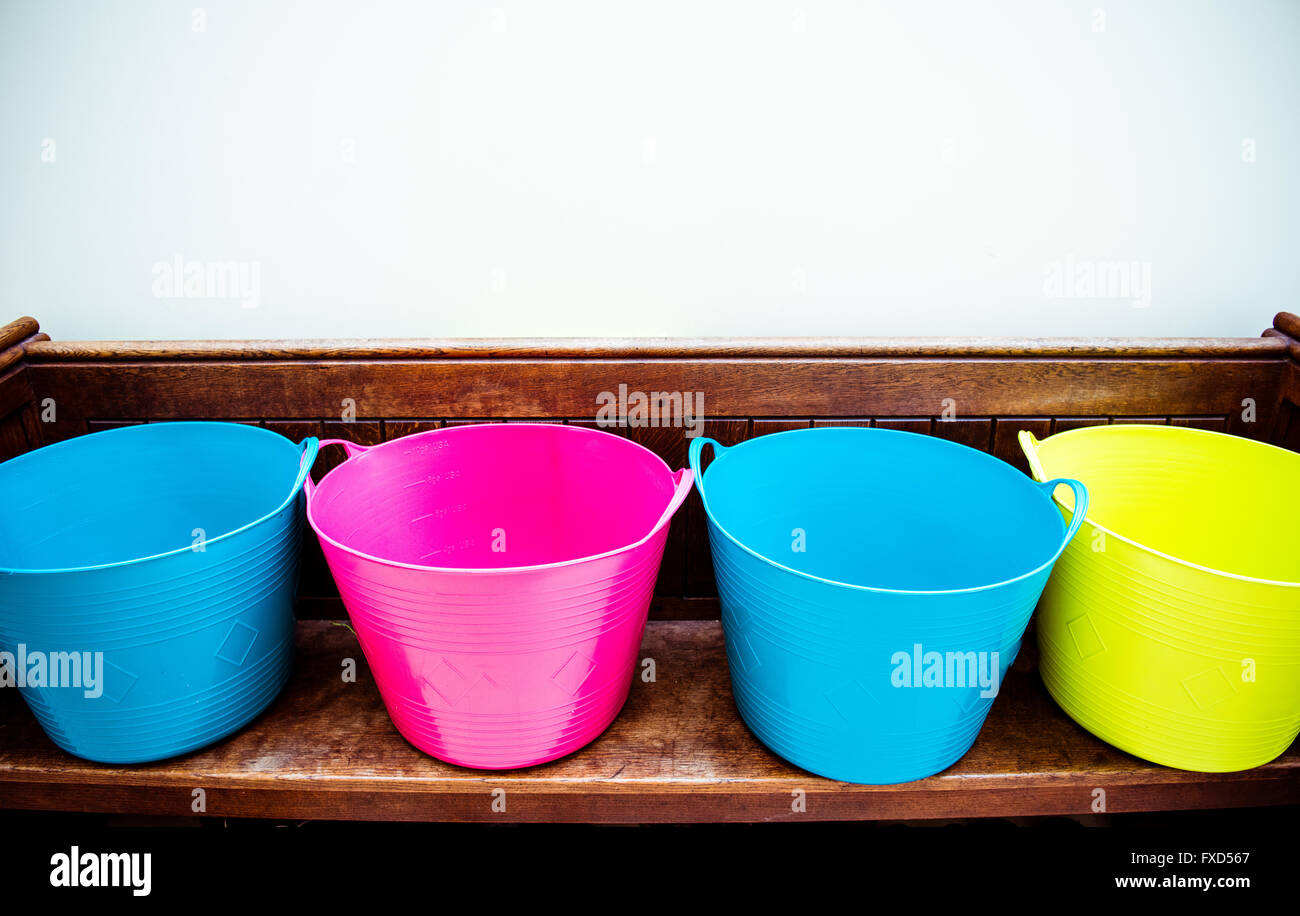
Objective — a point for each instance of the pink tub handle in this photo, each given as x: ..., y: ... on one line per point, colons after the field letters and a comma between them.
x: 350, y: 447
x: 683, y: 480
x: 352, y: 450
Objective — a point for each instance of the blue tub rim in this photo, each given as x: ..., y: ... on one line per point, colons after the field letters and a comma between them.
x: 1048, y: 488
x: 307, y: 450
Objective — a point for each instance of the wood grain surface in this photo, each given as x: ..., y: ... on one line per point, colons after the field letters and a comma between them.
x: 569, y: 348
x: 678, y: 752
x: 770, y: 388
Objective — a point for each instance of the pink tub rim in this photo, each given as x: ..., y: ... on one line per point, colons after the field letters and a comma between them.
x: 683, y: 481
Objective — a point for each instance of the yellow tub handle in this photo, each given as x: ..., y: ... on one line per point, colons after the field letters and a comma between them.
x: 1029, y: 445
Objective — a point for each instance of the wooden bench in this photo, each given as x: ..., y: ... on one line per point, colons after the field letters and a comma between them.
x: 678, y: 752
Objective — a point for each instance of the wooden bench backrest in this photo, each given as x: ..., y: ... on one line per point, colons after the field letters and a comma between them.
x: 980, y: 392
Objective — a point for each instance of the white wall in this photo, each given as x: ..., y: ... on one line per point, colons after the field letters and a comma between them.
x: 683, y: 168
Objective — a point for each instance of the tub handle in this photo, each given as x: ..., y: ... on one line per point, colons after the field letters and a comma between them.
x: 683, y: 480
x: 1029, y: 445
x: 309, y: 448
x: 1080, y: 513
x: 351, y: 448
x: 693, y: 455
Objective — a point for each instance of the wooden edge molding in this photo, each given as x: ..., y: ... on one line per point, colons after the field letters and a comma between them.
x: 10, y: 358
x: 1288, y: 323
x: 17, y: 331
x: 1286, y: 327
x: 39, y: 348
x: 15, y: 337
x: 655, y: 348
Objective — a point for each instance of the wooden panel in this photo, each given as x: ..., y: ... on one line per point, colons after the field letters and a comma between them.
x: 316, y: 586
x: 587, y: 423
x: 1289, y: 428
x: 295, y: 430
x: 18, y: 422
x: 15, y: 390
x: 737, y: 388
x: 1064, y: 424
x: 98, y: 426
x: 1257, y: 419
x: 699, y: 558
x: 1286, y: 430
x: 13, y: 436
x: 678, y: 752
x: 314, y: 579
x: 851, y: 421
x: 360, y: 432
x: 920, y: 425
x: 1286, y: 425
x: 62, y: 428
x: 1006, y: 442
x: 1150, y: 421
x: 976, y: 433
x: 1291, y: 383
x: 30, y: 417
x: 396, y: 429
x: 670, y: 444
x: 767, y: 427
x: 1215, y: 424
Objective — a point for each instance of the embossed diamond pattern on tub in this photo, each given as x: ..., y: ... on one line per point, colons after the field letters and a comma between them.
x: 117, y: 682
x: 744, y: 651
x: 482, y: 695
x: 574, y: 673
x: 737, y: 640
x: 1086, y: 638
x: 447, y: 681
x: 852, y: 700
x: 234, y: 648
x: 966, y: 699
x: 1209, y: 688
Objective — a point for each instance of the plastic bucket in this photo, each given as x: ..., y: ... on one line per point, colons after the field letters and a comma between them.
x: 146, y: 583
x: 498, y: 577
x: 875, y: 587
x: 1171, y: 628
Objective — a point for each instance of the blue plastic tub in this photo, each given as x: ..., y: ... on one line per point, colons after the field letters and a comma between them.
x: 150, y: 571
x: 875, y: 587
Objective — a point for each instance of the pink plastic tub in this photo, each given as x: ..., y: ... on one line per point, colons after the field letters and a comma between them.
x: 498, y: 577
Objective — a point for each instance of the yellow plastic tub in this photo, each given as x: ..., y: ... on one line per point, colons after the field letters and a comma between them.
x: 1170, y: 627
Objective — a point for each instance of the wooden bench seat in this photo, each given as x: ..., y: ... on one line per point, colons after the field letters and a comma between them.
x: 327, y: 750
